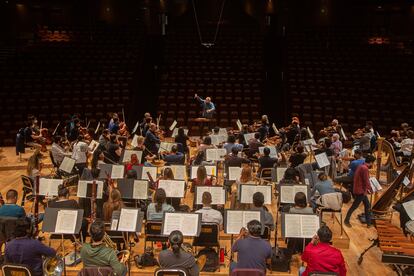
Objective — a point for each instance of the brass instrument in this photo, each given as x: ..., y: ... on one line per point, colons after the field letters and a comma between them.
x: 53, y: 266
x: 123, y: 255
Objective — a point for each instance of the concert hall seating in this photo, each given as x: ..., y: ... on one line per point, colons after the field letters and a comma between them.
x: 230, y: 72
x: 351, y: 74
x: 69, y: 70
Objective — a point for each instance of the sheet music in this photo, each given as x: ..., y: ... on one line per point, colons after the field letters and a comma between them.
x: 288, y: 192
x: 218, y: 194
x: 211, y: 170
x: 322, y: 160
x: 128, y: 220
x: 135, y: 127
x: 222, y: 131
x: 300, y: 226
x: 343, y: 134
x: 175, y: 132
x: 343, y: 152
x: 273, y: 151
x: 173, y: 188
x: 165, y: 146
x: 128, y: 153
x: 247, y: 192
x: 309, y: 142
x: 134, y: 141
x: 152, y: 171
x: 187, y: 223
x: 236, y: 219
x: 215, y: 154
x: 239, y: 124
x: 234, y: 173
x: 218, y: 139
x: 406, y: 181
x: 117, y: 171
x: 172, y: 126
x: 66, y: 221
x: 375, y: 185
x: 409, y: 208
x: 49, y: 187
x: 280, y: 172
x: 140, y: 190
x: 248, y: 136
x: 93, y: 145
x: 114, y: 225
x: 83, y: 187
x: 67, y: 164
x: 179, y: 171
x: 275, y: 128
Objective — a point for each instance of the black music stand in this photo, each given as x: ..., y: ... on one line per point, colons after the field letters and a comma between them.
x: 49, y: 226
x: 136, y: 227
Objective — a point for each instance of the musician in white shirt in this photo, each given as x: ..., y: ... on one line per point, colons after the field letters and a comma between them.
x: 209, y: 215
x: 80, y: 154
x: 58, y: 152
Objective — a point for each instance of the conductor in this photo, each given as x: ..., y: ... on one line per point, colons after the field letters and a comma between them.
x: 208, y: 107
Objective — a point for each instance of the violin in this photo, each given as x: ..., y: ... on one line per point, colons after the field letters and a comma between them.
x: 123, y: 130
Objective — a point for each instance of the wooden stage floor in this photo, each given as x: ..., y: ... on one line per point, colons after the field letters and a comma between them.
x: 11, y: 169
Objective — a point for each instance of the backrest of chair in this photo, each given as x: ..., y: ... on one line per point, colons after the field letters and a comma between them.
x: 266, y: 233
x: 153, y: 231
x: 209, y: 235
x: 16, y: 270
x: 27, y: 182
x: 266, y: 173
x: 170, y: 272
x: 7, y: 228
x: 96, y: 271
x: 247, y: 272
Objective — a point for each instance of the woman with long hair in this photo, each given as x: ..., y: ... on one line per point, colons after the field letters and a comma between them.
x: 202, y: 178
x: 176, y: 257
x: 34, y: 165
x: 157, y: 208
x: 246, y: 177
x: 114, y: 203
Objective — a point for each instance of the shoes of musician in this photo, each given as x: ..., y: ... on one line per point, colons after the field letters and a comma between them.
x: 347, y: 224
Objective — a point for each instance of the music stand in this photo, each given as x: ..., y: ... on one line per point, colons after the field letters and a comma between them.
x: 51, y: 218
x: 129, y: 221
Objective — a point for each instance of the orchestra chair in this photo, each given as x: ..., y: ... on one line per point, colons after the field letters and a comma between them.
x: 170, y: 272
x: 55, y: 165
x: 247, y: 272
x: 27, y: 189
x: 96, y: 271
x: 16, y: 270
x: 153, y: 233
x: 331, y: 203
x: 322, y: 273
x: 266, y: 176
x: 7, y: 229
x: 209, y: 236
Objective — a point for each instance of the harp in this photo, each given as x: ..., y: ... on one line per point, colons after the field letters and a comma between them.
x: 386, y: 150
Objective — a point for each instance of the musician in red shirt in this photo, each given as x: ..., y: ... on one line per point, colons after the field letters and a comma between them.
x: 362, y: 187
x: 322, y: 257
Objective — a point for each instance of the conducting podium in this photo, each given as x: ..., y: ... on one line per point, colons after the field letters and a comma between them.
x: 202, y: 122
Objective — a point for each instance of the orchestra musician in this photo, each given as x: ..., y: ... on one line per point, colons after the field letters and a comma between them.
x: 25, y: 250
x: 58, y: 150
x: 208, y: 107
x: 34, y: 165
x: 145, y: 121
x: 80, y: 154
x: 182, y: 138
x: 174, y: 157
x: 98, y: 254
x: 290, y: 132
x: 104, y: 139
x: 10, y: 208
x: 152, y: 142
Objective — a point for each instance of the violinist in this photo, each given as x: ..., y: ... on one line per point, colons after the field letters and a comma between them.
x: 114, y: 150
x: 34, y: 165
x: 146, y: 120
x: 146, y: 126
x: 152, y: 142
x: 113, y: 125
x: 206, y: 144
x: 133, y: 162
x: 264, y: 128
x: 231, y: 142
x: 32, y: 139
x: 80, y: 153
x: 104, y: 139
x: 254, y: 145
x: 182, y: 138
x: 58, y: 151
x: 74, y: 131
x: 292, y: 130
x: 174, y: 157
